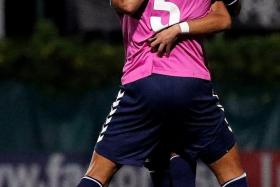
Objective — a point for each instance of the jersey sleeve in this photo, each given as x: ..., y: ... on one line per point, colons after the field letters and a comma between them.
x: 230, y: 2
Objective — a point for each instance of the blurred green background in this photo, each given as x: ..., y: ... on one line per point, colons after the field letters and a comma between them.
x: 56, y: 89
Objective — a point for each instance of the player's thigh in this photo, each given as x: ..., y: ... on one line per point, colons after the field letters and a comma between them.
x: 208, y: 136
x: 228, y: 166
x: 131, y: 130
x: 205, y: 132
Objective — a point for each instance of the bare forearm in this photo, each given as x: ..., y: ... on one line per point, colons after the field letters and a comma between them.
x: 127, y: 6
x: 214, y: 23
x: 218, y: 19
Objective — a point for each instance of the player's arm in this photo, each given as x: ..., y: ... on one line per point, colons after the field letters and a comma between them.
x: 218, y: 19
x: 127, y: 6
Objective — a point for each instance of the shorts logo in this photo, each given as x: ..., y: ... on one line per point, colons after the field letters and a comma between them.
x: 109, y: 117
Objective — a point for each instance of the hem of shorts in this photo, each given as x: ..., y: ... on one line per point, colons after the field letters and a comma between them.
x: 182, y: 74
x: 120, y: 162
x: 220, y: 155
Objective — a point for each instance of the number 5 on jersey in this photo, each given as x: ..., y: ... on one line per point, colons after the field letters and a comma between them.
x: 174, y: 14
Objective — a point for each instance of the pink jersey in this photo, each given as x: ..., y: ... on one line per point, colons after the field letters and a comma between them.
x: 185, y: 60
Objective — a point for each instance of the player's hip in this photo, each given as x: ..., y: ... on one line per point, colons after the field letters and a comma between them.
x: 170, y: 92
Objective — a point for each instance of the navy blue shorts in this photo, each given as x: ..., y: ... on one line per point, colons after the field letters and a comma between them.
x: 181, y: 114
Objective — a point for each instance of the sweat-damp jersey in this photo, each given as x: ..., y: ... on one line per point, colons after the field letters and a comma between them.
x: 186, y: 58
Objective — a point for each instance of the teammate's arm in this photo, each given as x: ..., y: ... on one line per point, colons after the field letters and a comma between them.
x: 217, y: 19
x: 127, y: 6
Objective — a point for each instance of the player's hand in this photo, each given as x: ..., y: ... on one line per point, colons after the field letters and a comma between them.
x: 163, y: 41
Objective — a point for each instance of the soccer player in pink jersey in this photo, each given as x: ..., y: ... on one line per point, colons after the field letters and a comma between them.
x: 170, y: 169
x: 166, y: 92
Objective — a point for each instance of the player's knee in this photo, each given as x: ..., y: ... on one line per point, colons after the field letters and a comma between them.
x: 228, y: 167
x: 101, y: 168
